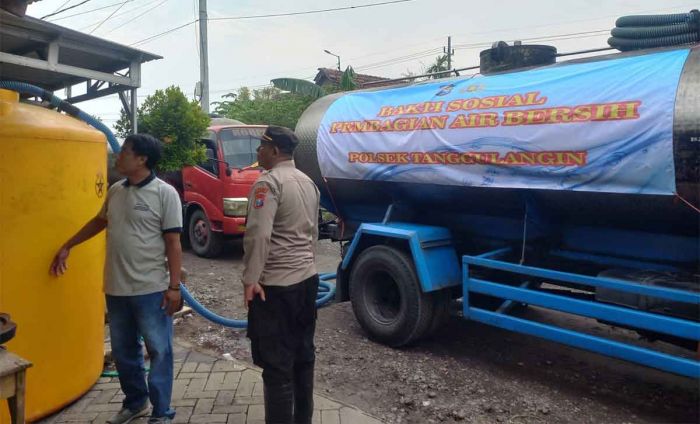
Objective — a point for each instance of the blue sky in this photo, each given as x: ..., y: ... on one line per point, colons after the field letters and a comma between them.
x: 386, y: 40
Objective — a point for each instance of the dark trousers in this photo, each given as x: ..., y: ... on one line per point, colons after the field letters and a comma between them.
x: 281, y: 332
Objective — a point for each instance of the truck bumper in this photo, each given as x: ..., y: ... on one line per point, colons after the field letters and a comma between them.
x: 234, y: 225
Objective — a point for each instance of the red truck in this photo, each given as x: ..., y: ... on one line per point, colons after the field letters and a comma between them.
x: 215, y: 193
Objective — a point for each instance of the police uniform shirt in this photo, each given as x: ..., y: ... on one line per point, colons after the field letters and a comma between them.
x: 137, y: 217
x: 281, y: 228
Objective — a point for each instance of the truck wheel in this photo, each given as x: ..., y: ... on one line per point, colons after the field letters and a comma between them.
x: 387, y: 298
x: 204, y: 241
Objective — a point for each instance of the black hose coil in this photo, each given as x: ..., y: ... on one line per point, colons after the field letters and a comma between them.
x: 649, y: 31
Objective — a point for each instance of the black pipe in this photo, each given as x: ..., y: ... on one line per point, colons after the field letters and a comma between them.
x: 655, y: 20
x: 625, y: 44
x: 653, y: 31
x: 649, y: 31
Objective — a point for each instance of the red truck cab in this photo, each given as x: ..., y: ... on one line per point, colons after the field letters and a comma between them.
x: 215, y: 192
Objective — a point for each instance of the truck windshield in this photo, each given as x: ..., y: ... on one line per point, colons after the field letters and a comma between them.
x: 239, y: 145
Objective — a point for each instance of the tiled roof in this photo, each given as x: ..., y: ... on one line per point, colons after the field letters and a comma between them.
x: 332, y: 76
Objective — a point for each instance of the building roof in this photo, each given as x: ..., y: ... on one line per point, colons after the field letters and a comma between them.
x: 333, y: 76
x: 54, y: 57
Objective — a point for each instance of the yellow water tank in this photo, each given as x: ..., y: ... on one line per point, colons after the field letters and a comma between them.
x: 52, y: 181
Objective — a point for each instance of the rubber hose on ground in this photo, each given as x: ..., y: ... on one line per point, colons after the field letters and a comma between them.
x: 326, y: 292
x: 64, y: 106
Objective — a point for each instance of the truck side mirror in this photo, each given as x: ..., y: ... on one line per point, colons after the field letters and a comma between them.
x: 228, y: 170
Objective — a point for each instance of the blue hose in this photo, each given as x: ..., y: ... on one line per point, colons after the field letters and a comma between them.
x: 326, y: 292
x: 64, y: 106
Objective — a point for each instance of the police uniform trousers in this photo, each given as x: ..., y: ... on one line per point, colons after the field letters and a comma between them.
x: 281, y: 331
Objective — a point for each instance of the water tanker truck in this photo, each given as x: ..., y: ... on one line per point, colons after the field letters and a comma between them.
x: 570, y: 187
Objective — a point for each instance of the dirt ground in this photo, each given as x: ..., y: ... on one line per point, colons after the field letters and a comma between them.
x: 466, y: 372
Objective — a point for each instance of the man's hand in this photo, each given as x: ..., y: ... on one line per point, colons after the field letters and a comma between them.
x: 58, y: 265
x: 250, y: 291
x: 171, y: 301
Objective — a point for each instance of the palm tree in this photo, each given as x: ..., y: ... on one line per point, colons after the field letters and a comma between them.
x: 439, y: 65
x: 308, y: 88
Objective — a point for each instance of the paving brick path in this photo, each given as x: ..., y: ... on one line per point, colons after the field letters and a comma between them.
x: 206, y: 390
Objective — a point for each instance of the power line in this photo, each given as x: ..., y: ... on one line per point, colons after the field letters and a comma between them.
x: 153, y: 37
x: 107, y: 18
x: 309, y: 12
x: 61, y: 6
x: 137, y: 17
x: 87, y: 11
x: 145, y: 40
x: 417, y: 55
x: 121, y: 14
x: 63, y: 10
x: 541, y: 37
x: 556, y: 37
x: 548, y: 25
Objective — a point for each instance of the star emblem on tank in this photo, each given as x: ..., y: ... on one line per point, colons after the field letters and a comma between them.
x: 100, y: 185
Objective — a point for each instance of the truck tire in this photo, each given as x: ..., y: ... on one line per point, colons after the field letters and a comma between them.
x: 204, y: 241
x: 387, y: 298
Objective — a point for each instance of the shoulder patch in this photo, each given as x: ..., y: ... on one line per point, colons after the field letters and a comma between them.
x: 259, y: 196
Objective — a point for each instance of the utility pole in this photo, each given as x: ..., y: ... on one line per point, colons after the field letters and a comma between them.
x: 449, y: 52
x: 203, y: 56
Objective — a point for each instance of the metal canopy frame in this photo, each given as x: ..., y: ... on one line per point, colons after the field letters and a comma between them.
x: 54, y: 58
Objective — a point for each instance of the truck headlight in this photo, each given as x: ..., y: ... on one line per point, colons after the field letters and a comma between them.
x: 235, y: 206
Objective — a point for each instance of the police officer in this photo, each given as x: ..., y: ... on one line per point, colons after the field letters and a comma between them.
x: 280, y: 278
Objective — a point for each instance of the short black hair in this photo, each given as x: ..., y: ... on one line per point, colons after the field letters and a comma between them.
x: 146, y: 145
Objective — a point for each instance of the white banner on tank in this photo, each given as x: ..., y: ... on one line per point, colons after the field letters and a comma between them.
x: 604, y: 126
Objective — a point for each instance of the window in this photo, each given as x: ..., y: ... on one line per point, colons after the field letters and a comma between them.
x: 239, y: 145
x: 210, y: 164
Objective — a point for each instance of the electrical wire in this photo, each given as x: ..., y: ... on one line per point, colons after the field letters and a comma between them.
x: 549, y: 25
x: 308, y: 12
x: 63, y: 10
x: 61, y: 6
x: 126, y: 12
x: 400, y: 59
x: 107, y: 18
x: 88, y: 11
x: 137, y: 17
x: 153, y: 37
x: 555, y: 37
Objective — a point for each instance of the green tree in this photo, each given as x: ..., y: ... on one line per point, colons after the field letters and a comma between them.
x: 347, y: 80
x: 169, y: 116
x: 123, y: 125
x: 439, y: 65
x: 308, y: 88
x: 281, y: 104
x: 267, y: 106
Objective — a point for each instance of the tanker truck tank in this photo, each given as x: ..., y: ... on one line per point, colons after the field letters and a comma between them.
x: 581, y: 151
